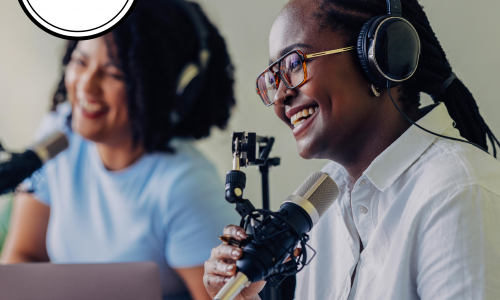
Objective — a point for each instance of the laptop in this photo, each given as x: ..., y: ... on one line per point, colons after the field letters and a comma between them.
x: 45, y: 281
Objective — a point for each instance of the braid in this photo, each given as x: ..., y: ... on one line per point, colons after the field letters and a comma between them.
x: 349, y: 16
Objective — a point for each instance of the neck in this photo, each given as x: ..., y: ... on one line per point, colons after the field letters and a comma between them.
x: 376, y: 137
x: 119, y: 155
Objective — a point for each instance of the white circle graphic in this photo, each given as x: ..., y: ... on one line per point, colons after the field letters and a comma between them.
x: 77, y: 19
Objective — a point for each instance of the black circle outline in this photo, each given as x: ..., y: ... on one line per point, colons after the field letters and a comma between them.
x: 127, y: 1
x: 69, y: 37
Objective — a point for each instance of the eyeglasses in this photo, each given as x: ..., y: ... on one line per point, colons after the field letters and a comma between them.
x: 291, y: 69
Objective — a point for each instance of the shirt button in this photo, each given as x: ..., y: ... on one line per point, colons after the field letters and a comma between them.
x: 362, y: 182
x: 363, y: 210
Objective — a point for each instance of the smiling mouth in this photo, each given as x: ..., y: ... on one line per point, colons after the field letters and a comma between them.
x: 303, y: 115
x: 92, y: 108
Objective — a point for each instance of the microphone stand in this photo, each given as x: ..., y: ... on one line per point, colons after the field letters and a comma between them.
x: 244, y: 147
x: 271, y: 290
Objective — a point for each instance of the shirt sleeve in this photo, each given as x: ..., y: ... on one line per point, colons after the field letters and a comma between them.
x: 40, y: 186
x: 38, y: 182
x: 196, y: 215
x: 459, y: 248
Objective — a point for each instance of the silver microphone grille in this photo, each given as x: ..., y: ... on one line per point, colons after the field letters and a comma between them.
x: 50, y: 146
x: 320, y: 190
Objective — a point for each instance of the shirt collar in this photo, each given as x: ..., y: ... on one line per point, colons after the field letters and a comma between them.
x: 401, y: 154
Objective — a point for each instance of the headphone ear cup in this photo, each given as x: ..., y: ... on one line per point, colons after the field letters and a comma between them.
x: 362, y: 48
x: 188, y: 86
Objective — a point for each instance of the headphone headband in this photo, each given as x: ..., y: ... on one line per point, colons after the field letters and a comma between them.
x: 394, y: 7
x: 192, y: 77
x: 201, y: 30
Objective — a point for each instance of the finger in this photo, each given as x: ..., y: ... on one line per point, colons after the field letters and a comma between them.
x: 296, y: 253
x: 219, y: 267
x: 226, y: 252
x: 235, y: 232
x: 214, y: 282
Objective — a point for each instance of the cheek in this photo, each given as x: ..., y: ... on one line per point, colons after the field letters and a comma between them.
x: 116, y: 97
x: 280, y: 112
x: 70, y: 79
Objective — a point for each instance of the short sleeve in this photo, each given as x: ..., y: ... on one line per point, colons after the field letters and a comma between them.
x: 197, y: 212
x: 38, y: 183
x: 459, y: 248
x: 40, y: 186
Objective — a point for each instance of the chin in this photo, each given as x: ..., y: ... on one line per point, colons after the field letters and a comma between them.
x: 308, y: 151
x: 87, y: 133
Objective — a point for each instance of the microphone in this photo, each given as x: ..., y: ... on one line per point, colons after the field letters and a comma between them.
x: 264, y: 255
x: 15, y: 167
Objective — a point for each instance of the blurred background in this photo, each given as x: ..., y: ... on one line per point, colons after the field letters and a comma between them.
x: 30, y: 62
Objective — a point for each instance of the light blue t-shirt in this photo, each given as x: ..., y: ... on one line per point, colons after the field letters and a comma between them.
x: 166, y: 208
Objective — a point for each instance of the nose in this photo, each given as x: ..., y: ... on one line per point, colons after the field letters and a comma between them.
x: 283, y: 95
x: 90, y: 82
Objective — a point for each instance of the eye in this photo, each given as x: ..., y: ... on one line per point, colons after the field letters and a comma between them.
x: 295, y: 64
x: 116, y: 76
x: 79, y: 62
x: 269, y: 79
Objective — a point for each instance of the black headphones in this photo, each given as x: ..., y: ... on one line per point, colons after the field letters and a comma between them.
x: 388, y: 50
x: 192, y: 77
x: 388, y: 47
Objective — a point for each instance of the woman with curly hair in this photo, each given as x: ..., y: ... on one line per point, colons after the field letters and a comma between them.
x: 131, y: 187
x: 418, y: 213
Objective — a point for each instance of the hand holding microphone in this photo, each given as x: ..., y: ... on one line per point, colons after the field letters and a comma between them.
x: 222, y: 266
x: 265, y: 252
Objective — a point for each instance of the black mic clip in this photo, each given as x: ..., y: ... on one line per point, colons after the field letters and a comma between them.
x: 263, y: 225
x: 264, y: 221
x: 248, y: 149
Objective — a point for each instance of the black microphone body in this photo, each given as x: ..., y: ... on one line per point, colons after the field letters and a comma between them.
x: 20, y: 166
x: 258, y: 259
x: 279, y: 233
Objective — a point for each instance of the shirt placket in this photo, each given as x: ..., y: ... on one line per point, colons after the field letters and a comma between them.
x: 361, y: 206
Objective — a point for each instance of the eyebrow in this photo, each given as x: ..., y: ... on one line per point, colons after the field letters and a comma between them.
x: 82, y: 53
x: 290, y: 48
x: 110, y: 63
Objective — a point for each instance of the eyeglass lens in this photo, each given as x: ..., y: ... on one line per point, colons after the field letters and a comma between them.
x: 291, y: 71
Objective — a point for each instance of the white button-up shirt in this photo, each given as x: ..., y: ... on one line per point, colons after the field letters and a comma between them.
x: 427, y: 211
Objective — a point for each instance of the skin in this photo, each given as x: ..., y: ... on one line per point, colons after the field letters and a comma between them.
x: 93, y: 77
x: 351, y: 126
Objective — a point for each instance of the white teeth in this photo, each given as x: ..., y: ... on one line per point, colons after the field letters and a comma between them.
x: 90, y: 107
x: 306, y: 112
x: 298, y: 123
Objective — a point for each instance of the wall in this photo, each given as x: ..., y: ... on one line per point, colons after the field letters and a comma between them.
x: 29, y: 69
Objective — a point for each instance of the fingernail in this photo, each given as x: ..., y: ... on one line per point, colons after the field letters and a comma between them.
x: 236, y: 253
x: 240, y: 234
x: 229, y: 268
x: 226, y: 280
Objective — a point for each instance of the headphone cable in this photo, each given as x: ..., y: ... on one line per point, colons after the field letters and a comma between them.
x: 438, y: 135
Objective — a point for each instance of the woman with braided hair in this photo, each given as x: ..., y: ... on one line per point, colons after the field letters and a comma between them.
x: 418, y: 213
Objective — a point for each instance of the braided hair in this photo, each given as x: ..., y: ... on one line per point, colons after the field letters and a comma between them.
x: 349, y: 16
x: 153, y: 45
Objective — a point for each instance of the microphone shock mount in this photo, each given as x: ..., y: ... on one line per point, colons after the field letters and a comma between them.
x: 262, y: 224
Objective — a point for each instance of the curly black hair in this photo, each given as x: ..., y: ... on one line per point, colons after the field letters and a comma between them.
x: 349, y: 16
x: 153, y: 45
